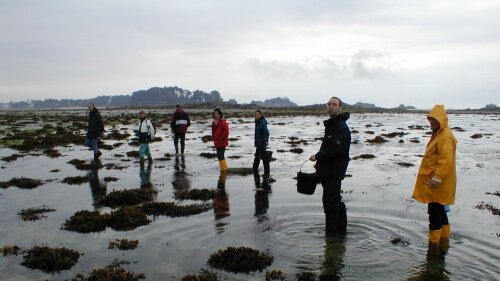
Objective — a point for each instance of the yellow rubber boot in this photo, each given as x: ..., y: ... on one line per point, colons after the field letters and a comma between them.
x: 434, y: 236
x: 445, y: 232
x: 223, y: 165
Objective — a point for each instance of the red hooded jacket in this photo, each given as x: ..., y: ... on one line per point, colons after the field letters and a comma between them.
x: 220, y: 133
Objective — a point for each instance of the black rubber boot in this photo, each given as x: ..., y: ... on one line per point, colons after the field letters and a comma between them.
x: 342, y: 228
x: 267, y: 169
x: 255, y: 167
x: 331, y: 223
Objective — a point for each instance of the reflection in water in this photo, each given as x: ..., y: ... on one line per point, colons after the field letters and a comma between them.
x: 334, y: 258
x: 97, y: 188
x: 221, y: 203
x: 180, y: 182
x: 262, y: 191
x: 433, y: 268
x: 145, y: 175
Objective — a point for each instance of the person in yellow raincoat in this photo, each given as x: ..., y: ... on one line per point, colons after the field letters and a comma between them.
x: 437, y: 179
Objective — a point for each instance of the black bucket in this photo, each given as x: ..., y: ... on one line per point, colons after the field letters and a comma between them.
x: 306, y: 182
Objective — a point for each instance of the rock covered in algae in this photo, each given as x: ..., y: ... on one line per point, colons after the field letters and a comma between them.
x: 174, y: 210
x: 377, y: 139
x: 196, y: 194
x: 75, y: 180
x: 204, y: 275
x: 84, y: 165
x: 111, y: 272
x: 50, y: 259
x: 22, y: 182
x: 123, y: 244
x: 240, y: 260
x: 10, y: 250
x: 275, y: 274
x: 33, y: 214
x: 127, y: 218
x: 240, y: 171
x: 127, y: 197
x: 86, y: 222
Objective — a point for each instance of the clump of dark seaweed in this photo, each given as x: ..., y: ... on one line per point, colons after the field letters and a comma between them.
x: 55, y: 171
x: 305, y: 276
x: 10, y: 250
x: 84, y: 165
x: 405, y: 164
x: 196, y: 194
x: 50, y: 259
x: 23, y: 183
x: 369, y: 132
x: 33, y: 214
x: 240, y: 171
x: 377, y: 139
x: 240, y: 259
x: 400, y: 241
x: 208, y: 155
x: 114, y: 166
x: 52, y: 153
x: 416, y: 127
x: 173, y: 210
x: 476, y: 136
x: 458, y: 129
x: 127, y: 218
x: 116, y: 135
x: 123, y: 244
x: 414, y: 140
x: 497, y: 193
x: 364, y: 156
x: 275, y: 274
x: 234, y: 157
x: 75, y: 180
x: 204, y: 275
x: 297, y: 150
x: 133, y: 153
x: 127, y: 197
x: 488, y: 206
x: 108, y: 179
x: 13, y: 157
x: 394, y: 134
x: 86, y: 222
x: 206, y: 138
x: 113, y: 272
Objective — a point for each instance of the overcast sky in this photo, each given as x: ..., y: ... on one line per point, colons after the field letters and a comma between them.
x: 383, y: 52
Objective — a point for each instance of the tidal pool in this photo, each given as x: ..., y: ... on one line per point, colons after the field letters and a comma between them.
x: 271, y: 218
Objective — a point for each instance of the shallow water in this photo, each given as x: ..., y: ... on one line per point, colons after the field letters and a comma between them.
x: 288, y: 225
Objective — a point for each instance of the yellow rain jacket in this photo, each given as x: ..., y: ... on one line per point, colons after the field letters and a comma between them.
x: 438, y: 163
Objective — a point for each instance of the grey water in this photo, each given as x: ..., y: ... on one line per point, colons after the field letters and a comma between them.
x: 275, y: 219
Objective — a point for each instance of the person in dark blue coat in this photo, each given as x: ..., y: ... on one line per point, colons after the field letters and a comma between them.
x: 95, y: 130
x: 261, y: 143
x: 331, y: 165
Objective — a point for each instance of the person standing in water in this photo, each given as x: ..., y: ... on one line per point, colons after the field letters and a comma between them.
x: 437, y: 178
x: 179, y: 124
x: 261, y: 143
x: 220, y: 135
x: 332, y: 161
x: 146, y: 132
x: 94, y: 130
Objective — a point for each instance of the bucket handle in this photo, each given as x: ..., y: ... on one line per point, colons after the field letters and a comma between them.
x: 303, y: 165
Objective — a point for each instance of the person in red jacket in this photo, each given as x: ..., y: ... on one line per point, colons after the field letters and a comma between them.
x: 220, y: 134
x: 179, y: 124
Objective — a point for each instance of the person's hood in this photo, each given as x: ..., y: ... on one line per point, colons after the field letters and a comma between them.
x: 439, y: 113
x: 343, y: 116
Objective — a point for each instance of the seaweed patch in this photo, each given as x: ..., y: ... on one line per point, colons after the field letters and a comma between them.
x: 240, y: 260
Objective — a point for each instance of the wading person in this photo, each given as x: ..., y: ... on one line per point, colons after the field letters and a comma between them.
x: 94, y: 130
x: 179, y: 124
x: 332, y: 160
x: 261, y: 143
x: 220, y: 134
x: 145, y: 132
x: 436, y: 180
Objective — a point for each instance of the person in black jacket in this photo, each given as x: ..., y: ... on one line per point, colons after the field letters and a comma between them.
x: 332, y: 160
x: 95, y: 129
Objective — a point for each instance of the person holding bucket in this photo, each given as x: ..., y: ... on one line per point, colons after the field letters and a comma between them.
x: 331, y: 165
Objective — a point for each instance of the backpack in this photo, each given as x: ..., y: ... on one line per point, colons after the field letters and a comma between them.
x: 152, y: 131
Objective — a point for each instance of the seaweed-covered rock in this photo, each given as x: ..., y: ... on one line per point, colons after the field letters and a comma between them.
x: 113, y: 272
x: 13, y: 157
x: 134, y: 154
x: 33, y: 214
x: 84, y: 165
x: 240, y: 171
x: 52, y: 153
x: 173, y: 210
x: 305, y: 276
x: 108, y: 179
x: 196, y: 194
x: 22, y: 182
x: 75, y: 180
x: 399, y: 241
x: 377, y: 139
x: 50, y: 259
x: 240, y: 260
x: 476, y: 136
x: 208, y: 155
x: 297, y: 150
x: 127, y: 197
x: 86, y: 222
x: 10, y: 250
x: 364, y: 156
x: 204, y: 275
x: 275, y: 274
x: 123, y: 244
x: 127, y: 218
x: 405, y: 164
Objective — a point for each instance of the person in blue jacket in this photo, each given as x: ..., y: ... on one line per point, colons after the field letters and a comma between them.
x: 261, y: 143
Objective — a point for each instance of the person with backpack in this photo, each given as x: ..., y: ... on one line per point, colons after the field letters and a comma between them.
x: 220, y: 135
x: 179, y: 124
x: 94, y: 130
x: 146, y: 133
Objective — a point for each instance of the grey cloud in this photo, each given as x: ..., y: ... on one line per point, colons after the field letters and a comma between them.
x: 277, y: 68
